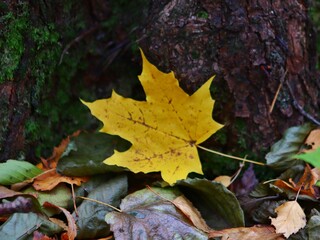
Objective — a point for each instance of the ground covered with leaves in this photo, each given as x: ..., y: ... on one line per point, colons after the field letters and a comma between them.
x: 141, y: 177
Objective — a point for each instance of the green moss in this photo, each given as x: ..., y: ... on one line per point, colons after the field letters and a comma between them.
x: 202, y: 14
x: 56, y: 89
x: 12, y: 43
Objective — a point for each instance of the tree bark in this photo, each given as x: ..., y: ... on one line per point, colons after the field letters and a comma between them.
x: 35, y: 38
x: 254, y: 48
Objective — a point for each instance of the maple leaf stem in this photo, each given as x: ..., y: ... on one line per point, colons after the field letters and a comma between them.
x: 103, y: 203
x: 230, y: 156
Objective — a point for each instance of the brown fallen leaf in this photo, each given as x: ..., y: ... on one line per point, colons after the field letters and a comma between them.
x: 305, y: 184
x: 247, y: 233
x: 52, y: 161
x: 72, y: 227
x: 50, y: 178
x: 185, y: 206
x: 290, y: 218
x: 224, y: 180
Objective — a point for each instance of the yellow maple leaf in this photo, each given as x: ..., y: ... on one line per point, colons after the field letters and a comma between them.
x: 290, y: 218
x: 164, y: 130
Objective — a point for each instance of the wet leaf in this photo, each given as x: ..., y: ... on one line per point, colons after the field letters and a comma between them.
x: 290, y: 218
x: 14, y: 171
x: 313, y: 225
x: 145, y: 215
x: 22, y: 226
x: 218, y: 206
x: 164, y: 130
x: 264, y: 209
x: 281, y: 155
x: 90, y: 220
x: 88, y: 152
x: 252, y: 233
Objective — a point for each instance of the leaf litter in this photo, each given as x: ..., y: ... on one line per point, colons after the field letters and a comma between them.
x: 286, y: 207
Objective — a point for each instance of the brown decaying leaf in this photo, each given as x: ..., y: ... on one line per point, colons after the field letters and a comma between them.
x: 306, y: 183
x: 290, y: 218
x: 50, y: 178
x: 6, y: 192
x: 52, y: 161
x: 185, y: 206
x: 72, y: 227
x: 247, y: 233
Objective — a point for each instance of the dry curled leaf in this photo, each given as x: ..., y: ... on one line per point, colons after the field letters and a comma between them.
x: 191, y: 213
x: 252, y: 233
x: 72, y: 227
x: 50, y: 178
x: 290, y: 218
x: 305, y: 185
x: 164, y: 130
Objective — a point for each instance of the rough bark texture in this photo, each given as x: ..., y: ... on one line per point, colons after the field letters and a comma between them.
x: 45, y: 46
x: 249, y: 45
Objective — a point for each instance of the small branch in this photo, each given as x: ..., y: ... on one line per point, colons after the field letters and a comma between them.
x: 106, y: 204
x: 278, y: 91
x: 77, y: 39
x: 230, y: 156
x: 299, y: 108
x: 74, y: 200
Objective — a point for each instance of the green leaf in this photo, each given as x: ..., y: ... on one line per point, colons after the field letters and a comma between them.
x: 281, y: 155
x: 59, y: 196
x: 22, y: 225
x: 145, y: 215
x: 310, y: 157
x: 218, y: 206
x: 14, y: 171
x: 87, y: 153
x: 90, y: 220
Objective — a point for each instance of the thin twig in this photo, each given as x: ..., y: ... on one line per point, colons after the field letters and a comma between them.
x: 278, y: 91
x: 230, y: 156
x: 74, y: 200
x: 97, y: 201
x: 77, y: 39
x: 298, y: 193
x: 151, y: 190
x: 234, y: 177
x: 299, y: 108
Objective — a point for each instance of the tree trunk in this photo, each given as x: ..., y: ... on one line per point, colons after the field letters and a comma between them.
x: 44, y: 46
x: 254, y: 48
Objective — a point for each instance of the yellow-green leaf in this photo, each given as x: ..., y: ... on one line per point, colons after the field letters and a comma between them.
x: 164, y: 130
